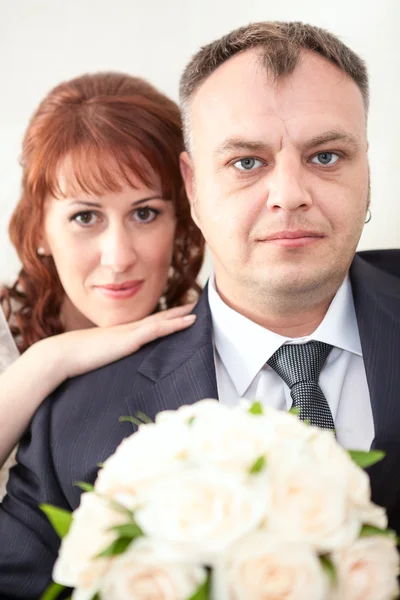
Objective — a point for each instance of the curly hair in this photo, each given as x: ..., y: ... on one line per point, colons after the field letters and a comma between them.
x: 92, y: 119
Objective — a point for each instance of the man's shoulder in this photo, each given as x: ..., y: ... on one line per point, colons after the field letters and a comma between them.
x: 387, y: 261
x: 122, y: 377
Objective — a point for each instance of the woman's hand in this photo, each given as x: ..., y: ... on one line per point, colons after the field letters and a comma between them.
x: 77, y: 352
x: 45, y: 365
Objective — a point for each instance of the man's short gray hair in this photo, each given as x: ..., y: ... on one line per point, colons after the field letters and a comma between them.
x: 280, y: 45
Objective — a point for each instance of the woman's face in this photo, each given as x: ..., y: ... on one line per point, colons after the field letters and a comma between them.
x: 112, y: 252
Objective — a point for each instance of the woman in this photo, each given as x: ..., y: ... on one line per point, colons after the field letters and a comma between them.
x: 104, y: 234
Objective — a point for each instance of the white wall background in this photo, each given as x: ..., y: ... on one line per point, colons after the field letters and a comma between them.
x: 43, y: 42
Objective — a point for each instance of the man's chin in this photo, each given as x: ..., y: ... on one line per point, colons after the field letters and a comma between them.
x: 291, y: 278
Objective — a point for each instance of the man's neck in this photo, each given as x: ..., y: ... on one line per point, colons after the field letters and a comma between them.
x: 288, y: 321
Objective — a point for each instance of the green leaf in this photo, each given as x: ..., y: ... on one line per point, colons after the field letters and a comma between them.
x: 130, y: 420
x: 329, y: 568
x: 143, y: 417
x: 118, y: 546
x: 191, y: 420
x: 100, y: 465
x: 118, y: 507
x: 368, y: 530
x: 366, y: 459
x: 53, y: 591
x: 258, y: 465
x: 128, y: 530
x: 203, y: 591
x: 59, y: 518
x: 256, y: 408
x: 96, y: 597
x: 86, y: 487
x: 295, y: 411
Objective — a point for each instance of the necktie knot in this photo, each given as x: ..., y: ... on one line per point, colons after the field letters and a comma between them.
x: 300, y: 363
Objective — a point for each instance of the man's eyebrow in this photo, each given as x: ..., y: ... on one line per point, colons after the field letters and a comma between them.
x: 237, y: 144
x: 335, y: 135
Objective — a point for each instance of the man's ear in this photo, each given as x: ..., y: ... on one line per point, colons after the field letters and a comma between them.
x: 187, y: 171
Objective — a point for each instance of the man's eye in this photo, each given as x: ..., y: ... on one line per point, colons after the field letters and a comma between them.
x: 325, y: 158
x: 247, y: 164
x: 145, y: 214
x: 85, y: 218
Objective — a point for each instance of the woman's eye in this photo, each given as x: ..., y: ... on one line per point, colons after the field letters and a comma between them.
x: 145, y: 214
x: 247, y: 164
x: 325, y: 158
x: 85, y: 218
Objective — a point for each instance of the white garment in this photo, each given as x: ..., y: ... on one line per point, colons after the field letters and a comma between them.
x: 8, y: 353
x: 8, y: 349
x: 242, y: 349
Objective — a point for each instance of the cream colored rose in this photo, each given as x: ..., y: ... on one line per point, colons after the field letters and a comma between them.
x: 233, y: 442
x: 151, y: 571
x: 88, y: 536
x: 151, y: 452
x: 233, y: 438
x: 309, y: 504
x: 367, y: 570
x: 324, y: 450
x: 203, y: 511
x: 187, y: 412
x: 258, y: 567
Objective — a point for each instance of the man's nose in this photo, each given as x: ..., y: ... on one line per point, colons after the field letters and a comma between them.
x: 287, y: 188
x: 117, y: 249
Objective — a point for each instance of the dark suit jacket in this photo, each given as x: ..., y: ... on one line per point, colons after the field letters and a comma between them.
x: 78, y: 426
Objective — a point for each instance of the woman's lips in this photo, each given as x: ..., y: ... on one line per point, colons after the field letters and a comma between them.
x: 120, y: 291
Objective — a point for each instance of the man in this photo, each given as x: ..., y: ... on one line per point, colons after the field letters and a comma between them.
x: 277, y: 173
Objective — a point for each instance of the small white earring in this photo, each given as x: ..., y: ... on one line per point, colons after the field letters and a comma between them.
x: 41, y: 251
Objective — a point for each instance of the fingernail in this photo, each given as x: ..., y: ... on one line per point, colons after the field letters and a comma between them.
x: 190, y: 318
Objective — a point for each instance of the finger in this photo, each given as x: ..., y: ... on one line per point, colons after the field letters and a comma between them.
x: 157, y: 329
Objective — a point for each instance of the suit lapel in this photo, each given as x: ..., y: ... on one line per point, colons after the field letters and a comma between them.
x: 377, y: 303
x: 179, y: 369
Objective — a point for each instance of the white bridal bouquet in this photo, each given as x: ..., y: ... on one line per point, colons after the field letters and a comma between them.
x: 219, y: 503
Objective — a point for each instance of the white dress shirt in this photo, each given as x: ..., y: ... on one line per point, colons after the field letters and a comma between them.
x: 242, y: 349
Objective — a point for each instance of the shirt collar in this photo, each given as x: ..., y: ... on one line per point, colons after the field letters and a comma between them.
x: 244, y: 346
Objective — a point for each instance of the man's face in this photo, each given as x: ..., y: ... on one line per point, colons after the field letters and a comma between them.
x: 278, y: 176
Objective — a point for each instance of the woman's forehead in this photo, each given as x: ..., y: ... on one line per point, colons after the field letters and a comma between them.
x: 102, y: 174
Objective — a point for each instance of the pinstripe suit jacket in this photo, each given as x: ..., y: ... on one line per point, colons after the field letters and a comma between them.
x: 78, y: 426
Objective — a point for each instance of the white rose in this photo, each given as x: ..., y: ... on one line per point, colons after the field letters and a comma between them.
x: 88, y: 536
x: 324, y: 449
x: 233, y: 437
x: 150, y: 571
x: 367, y: 570
x: 151, y: 452
x: 309, y: 504
x: 233, y: 442
x: 203, y: 511
x: 187, y: 412
x: 259, y: 567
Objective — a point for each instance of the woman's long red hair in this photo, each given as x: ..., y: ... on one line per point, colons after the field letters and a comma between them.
x: 97, y: 122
